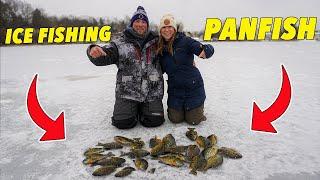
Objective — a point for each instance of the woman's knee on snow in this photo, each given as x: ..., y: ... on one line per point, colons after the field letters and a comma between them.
x: 175, y: 116
x: 195, y: 116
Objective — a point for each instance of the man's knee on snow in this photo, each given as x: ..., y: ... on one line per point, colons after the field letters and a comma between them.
x: 124, y: 123
x: 124, y: 114
x: 152, y: 120
x: 152, y: 114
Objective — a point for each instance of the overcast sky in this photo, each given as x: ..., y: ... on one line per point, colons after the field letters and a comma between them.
x: 192, y: 13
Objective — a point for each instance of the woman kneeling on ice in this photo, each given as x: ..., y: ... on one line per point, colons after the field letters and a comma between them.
x: 186, y: 93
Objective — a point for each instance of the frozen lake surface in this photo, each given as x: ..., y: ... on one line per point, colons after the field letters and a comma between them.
x: 238, y: 74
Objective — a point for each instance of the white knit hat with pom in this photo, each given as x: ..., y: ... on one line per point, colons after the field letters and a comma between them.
x: 168, y: 20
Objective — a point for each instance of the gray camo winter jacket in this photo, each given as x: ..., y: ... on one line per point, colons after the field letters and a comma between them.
x: 139, y: 75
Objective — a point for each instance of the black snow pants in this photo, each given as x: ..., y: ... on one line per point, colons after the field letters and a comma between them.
x: 127, y: 113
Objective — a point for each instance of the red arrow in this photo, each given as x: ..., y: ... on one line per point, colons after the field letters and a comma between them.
x: 54, y: 129
x: 261, y: 121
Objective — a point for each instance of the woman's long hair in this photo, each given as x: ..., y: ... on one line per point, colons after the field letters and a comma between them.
x: 162, y: 44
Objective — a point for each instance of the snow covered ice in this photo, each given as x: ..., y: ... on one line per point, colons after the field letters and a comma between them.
x: 238, y: 74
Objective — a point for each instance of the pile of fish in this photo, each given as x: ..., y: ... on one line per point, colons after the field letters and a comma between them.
x: 201, y: 156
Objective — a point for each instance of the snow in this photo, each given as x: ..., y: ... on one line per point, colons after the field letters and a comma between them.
x: 238, y: 74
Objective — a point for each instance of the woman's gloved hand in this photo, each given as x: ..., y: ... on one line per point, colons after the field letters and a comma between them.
x: 208, y: 50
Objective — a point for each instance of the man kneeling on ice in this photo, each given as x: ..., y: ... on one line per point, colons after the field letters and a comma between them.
x: 139, y: 86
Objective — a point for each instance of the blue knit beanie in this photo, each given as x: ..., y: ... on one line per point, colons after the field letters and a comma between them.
x: 139, y: 14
